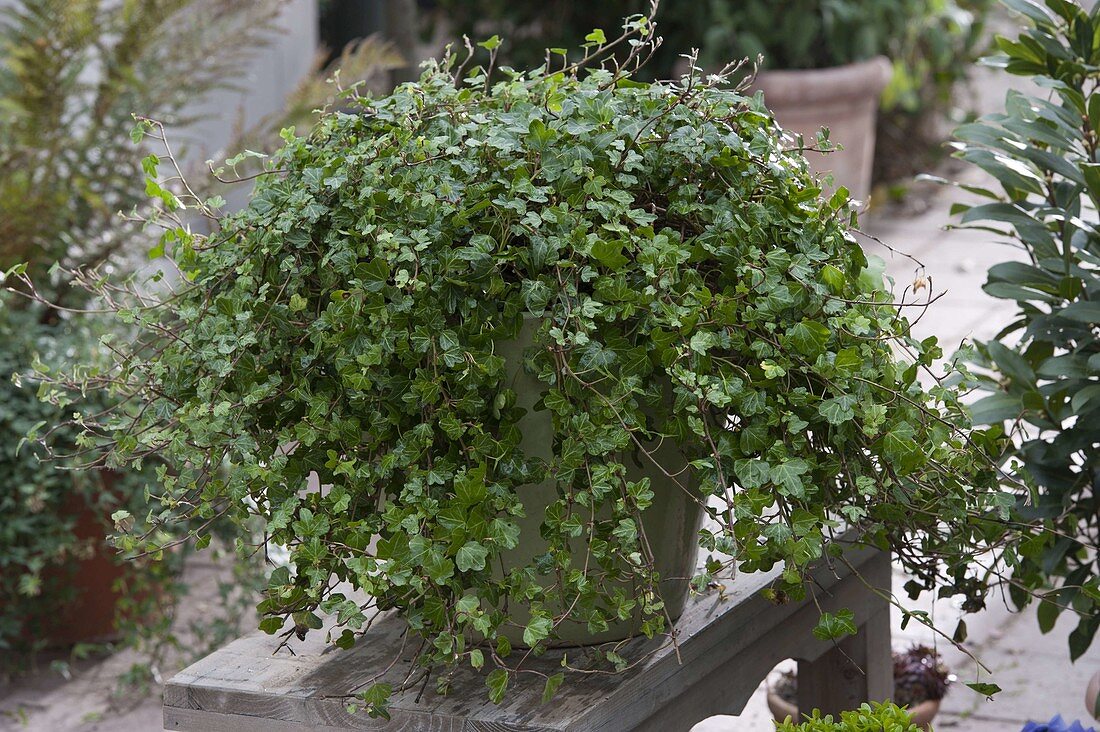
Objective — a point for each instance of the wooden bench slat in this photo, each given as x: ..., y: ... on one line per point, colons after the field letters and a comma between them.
x: 723, y: 650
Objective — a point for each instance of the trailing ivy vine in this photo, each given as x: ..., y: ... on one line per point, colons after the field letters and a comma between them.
x: 681, y: 279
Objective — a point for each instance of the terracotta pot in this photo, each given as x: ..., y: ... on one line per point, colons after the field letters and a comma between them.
x: 671, y: 522
x: 844, y: 99
x: 91, y: 615
x: 922, y: 714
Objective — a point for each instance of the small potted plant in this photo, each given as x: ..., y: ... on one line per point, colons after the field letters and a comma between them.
x: 485, y: 350
x: 920, y: 682
x: 868, y: 718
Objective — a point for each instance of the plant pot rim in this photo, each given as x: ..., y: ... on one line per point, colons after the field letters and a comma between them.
x: 858, y: 80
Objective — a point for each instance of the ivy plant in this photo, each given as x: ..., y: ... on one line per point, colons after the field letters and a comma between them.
x: 932, y: 45
x: 680, y: 278
x: 1044, y: 378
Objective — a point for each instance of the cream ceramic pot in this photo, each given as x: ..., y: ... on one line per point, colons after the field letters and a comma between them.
x: 671, y: 523
x: 843, y: 98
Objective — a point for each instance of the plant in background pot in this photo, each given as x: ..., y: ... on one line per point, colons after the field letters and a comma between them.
x: 1042, y: 384
x: 920, y: 682
x: 933, y: 56
x: 519, y: 335
x: 825, y: 64
x: 929, y: 44
x: 868, y: 718
x: 56, y: 580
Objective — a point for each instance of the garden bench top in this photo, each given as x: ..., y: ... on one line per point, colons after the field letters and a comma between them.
x: 725, y: 645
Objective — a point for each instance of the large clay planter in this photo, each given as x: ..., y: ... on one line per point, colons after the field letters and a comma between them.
x: 91, y: 614
x: 844, y: 99
x: 922, y: 714
x: 671, y: 523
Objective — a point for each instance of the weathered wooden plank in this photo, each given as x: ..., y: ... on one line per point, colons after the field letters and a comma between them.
x: 859, y: 668
x: 724, y: 676
x: 207, y: 721
x: 722, y: 650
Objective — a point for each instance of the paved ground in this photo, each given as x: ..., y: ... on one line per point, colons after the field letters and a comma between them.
x: 91, y: 695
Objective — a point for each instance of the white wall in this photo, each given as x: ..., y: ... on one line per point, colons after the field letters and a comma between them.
x: 273, y: 73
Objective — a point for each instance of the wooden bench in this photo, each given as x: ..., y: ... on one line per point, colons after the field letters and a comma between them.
x: 724, y: 648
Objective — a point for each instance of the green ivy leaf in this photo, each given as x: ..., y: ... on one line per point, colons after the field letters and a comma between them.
x: 835, y: 626
x: 809, y: 337
x: 377, y: 700
x: 346, y: 640
x: 985, y: 689
x: 272, y: 625
x: 471, y: 557
x: 538, y: 628
x: 497, y: 681
x: 491, y: 43
x: 833, y: 278
x: 597, y: 37
x: 788, y: 476
x: 838, y: 410
x: 552, y: 683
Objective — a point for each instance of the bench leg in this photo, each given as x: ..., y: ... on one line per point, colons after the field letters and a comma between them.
x: 858, y: 669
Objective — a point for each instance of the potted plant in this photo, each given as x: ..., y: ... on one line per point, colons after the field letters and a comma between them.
x: 868, y: 718
x: 57, y: 579
x: 920, y: 683
x: 513, y: 332
x: 824, y: 65
x: 933, y: 56
x: 1041, y: 384
x: 824, y: 62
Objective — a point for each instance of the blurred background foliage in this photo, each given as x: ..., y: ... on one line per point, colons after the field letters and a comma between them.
x: 72, y: 74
